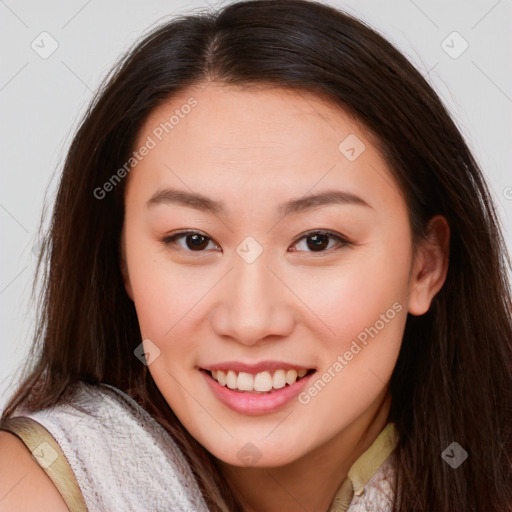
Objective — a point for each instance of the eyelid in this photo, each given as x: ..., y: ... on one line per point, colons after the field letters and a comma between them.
x: 170, y: 239
x: 341, y: 239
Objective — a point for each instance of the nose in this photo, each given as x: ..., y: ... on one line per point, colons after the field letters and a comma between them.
x: 255, y: 305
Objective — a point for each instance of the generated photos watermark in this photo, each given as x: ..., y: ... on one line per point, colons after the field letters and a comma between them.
x: 343, y: 360
x: 150, y: 143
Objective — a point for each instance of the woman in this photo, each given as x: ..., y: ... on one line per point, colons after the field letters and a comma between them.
x: 181, y: 284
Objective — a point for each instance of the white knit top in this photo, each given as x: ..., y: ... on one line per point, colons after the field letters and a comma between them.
x: 123, y: 460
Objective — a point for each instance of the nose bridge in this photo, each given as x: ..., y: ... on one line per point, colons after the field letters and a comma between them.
x: 254, y: 303
x: 253, y: 284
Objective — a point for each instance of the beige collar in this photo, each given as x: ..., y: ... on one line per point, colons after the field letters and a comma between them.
x: 364, y: 468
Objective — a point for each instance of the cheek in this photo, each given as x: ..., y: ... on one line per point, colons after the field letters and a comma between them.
x: 367, y: 315
x: 154, y: 301
x: 349, y: 298
x: 163, y: 292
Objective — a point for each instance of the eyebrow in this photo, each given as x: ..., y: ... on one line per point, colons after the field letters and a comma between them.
x: 294, y: 206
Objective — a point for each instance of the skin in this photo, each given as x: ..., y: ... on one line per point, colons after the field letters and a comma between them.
x: 254, y: 149
x: 24, y: 485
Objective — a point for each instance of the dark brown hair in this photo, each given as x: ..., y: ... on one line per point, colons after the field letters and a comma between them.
x: 453, y: 378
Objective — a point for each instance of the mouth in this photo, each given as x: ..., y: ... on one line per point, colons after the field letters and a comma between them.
x: 261, y: 383
x: 251, y: 392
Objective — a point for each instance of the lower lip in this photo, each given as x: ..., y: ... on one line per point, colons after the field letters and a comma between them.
x: 253, y: 403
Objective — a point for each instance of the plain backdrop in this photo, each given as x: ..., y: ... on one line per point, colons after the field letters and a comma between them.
x: 462, y: 47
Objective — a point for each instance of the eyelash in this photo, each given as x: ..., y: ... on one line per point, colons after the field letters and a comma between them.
x: 342, y: 241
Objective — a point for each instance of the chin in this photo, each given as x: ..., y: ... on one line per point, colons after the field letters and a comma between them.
x: 258, y: 453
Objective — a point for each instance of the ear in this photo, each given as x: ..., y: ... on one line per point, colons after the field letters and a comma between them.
x: 124, y: 267
x: 430, y: 266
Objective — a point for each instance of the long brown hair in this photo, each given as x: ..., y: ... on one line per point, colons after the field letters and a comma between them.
x: 453, y: 378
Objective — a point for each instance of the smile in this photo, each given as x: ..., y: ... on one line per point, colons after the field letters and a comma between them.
x: 262, y: 382
x: 256, y: 392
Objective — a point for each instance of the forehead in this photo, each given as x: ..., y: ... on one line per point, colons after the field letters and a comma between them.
x: 257, y: 141
x: 257, y: 114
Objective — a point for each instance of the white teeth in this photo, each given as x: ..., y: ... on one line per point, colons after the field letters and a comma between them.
x: 279, y: 380
x: 291, y: 376
x: 245, y: 381
x: 261, y: 382
x: 221, y: 378
x: 231, y: 380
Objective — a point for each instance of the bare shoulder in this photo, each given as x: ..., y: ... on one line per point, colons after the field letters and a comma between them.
x: 23, y: 483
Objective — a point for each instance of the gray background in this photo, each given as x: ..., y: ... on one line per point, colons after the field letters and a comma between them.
x: 41, y: 100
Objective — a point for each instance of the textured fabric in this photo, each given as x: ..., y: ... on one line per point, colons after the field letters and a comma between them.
x: 370, y: 483
x: 123, y: 460
x: 378, y: 494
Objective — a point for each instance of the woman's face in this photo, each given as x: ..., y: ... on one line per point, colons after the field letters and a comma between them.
x: 255, y: 296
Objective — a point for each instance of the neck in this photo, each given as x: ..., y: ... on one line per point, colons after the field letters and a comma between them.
x: 310, y: 482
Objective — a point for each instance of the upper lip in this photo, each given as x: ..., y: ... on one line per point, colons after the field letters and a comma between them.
x: 255, y: 367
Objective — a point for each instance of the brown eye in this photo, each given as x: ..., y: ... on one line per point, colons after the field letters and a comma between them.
x: 194, y: 241
x: 318, y: 241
